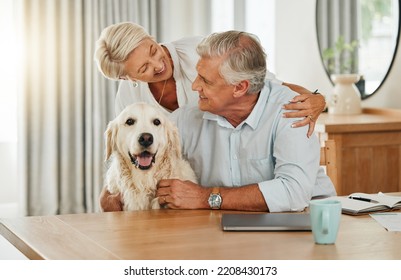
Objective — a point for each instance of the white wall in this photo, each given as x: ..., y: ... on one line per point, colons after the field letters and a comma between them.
x: 8, y: 180
x: 298, y: 60
x: 8, y: 114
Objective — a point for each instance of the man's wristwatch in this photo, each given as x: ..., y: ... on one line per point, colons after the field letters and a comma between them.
x: 215, y: 199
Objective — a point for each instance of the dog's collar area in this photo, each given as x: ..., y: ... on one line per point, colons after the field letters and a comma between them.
x: 142, y: 161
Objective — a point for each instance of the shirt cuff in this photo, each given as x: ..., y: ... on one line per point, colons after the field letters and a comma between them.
x: 277, y: 197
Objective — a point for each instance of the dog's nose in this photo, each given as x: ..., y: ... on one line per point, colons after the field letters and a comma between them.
x: 145, y: 140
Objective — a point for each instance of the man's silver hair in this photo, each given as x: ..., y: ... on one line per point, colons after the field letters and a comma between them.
x: 244, y: 57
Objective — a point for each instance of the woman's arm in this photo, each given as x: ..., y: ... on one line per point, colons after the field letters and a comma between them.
x: 307, y: 104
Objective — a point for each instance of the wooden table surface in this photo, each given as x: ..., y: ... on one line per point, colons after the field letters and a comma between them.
x: 186, y: 234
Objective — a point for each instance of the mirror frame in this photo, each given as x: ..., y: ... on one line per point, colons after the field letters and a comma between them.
x: 364, y: 96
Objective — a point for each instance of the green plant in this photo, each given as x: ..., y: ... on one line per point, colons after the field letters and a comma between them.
x: 342, y: 58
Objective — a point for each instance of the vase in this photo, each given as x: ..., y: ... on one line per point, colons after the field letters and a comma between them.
x: 345, y: 98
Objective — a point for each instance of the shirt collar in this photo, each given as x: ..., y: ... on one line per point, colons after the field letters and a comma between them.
x: 252, y: 120
x: 221, y: 121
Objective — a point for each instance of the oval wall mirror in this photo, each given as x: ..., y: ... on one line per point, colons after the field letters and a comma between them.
x: 359, y: 37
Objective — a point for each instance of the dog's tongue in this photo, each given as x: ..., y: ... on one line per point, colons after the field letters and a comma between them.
x: 144, y: 160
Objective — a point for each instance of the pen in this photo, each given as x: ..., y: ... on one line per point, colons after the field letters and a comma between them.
x: 362, y: 199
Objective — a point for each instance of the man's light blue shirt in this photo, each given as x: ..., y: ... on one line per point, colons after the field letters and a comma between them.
x: 264, y: 149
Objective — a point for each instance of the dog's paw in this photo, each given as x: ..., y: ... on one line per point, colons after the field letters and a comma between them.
x: 155, y: 203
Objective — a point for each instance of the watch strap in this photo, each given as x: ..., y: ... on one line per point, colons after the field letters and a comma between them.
x: 216, y: 190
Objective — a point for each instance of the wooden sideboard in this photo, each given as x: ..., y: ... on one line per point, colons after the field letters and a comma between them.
x: 368, y: 149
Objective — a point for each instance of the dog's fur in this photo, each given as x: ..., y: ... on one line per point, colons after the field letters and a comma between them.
x: 142, y: 129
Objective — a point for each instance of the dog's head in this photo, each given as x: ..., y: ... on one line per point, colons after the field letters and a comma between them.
x: 140, y: 133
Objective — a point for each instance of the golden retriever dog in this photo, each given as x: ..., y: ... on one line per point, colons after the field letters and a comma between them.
x: 145, y: 148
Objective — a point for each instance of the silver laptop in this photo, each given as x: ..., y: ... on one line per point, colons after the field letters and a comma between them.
x: 266, y: 222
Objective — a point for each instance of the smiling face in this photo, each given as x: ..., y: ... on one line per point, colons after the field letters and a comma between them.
x: 215, y: 94
x: 139, y: 133
x: 149, y: 62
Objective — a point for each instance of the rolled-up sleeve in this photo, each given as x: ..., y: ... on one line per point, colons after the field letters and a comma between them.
x: 296, y: 166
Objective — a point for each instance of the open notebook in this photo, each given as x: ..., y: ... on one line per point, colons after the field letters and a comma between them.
x: 364, y: 203
x: 266, y: 222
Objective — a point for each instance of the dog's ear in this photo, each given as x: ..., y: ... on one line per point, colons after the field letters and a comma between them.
x: 110, y: 136
x: 173, y: 139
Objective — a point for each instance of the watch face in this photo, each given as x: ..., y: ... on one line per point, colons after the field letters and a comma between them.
x: 215, y: 201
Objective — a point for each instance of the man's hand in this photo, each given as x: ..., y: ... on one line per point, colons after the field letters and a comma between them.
x: 110, y: 202
x: 178, y: 194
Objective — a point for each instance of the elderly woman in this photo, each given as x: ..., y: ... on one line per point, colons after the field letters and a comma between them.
x: 162, y: 74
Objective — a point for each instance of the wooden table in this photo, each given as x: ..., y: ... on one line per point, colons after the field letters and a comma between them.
x: 187, y: 234
x: 368, y: 149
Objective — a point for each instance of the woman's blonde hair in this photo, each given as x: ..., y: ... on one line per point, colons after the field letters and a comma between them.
x: 115, y: 44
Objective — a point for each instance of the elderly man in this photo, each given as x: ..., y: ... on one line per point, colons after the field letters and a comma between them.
x: 246, y: 156
x: 236, y: 140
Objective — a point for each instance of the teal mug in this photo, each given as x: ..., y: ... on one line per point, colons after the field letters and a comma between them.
x: 325, y: 220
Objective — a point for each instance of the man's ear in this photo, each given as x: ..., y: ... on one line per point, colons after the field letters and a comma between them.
x: 241, y: 88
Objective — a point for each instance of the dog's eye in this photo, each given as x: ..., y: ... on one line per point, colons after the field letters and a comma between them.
x: 130, y: 121
x: 156, y: 122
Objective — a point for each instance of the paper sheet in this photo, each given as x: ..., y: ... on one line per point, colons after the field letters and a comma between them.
x: 389, y: 220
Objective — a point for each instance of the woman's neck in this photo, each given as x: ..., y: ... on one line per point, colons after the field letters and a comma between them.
x: 165, y: 93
